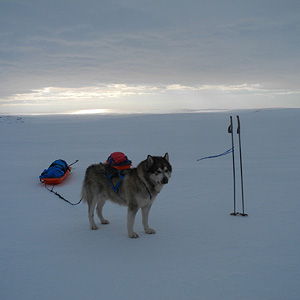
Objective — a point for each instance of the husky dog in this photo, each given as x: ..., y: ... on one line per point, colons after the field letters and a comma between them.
x: 135, y: 188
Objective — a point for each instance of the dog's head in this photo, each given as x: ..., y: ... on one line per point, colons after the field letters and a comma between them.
x: 159, y: 169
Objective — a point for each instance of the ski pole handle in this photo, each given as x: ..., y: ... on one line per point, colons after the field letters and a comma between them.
x: 238, y: 125
x: 230, y: 125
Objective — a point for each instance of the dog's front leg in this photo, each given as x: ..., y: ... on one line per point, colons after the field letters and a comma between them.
x: 145, y: 216
x: 130, y: 221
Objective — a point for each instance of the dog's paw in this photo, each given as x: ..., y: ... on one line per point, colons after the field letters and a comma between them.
x: 94, y: 227
x: 133, y: 235
x: 104, y: 222
x: 150, y: 231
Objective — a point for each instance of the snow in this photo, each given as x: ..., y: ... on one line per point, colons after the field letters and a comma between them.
x: 199, y: 251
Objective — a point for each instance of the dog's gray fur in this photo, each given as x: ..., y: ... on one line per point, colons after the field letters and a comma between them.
x: 138, y: 189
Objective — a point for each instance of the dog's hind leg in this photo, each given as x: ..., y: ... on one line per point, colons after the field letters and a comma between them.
x: 92, y: 205
x: 130, y: 221
x: 99, y: 211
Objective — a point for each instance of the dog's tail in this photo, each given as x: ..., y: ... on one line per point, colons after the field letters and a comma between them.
x: 84, y: 192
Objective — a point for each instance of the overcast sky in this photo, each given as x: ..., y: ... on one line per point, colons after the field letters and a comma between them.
x: 63, y: 56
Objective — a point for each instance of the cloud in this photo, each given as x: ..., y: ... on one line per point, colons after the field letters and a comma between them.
x: 136, y: 98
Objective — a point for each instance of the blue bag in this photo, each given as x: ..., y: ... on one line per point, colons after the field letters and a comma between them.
x: 56, y: 170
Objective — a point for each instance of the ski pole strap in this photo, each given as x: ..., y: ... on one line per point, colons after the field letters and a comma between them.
x: 214, y: 156
x: 60, y: 196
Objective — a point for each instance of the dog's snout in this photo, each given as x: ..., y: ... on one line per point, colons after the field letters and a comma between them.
x: 165, y: 180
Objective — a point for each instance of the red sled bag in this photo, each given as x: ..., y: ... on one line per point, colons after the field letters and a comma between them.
x: 119, y: 161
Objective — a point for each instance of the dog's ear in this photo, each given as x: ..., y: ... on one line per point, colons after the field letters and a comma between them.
x: 150, y: 161
x: 166, y: 157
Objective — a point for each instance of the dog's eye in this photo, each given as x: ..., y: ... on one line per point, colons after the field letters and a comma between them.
x: 166, y: 171
x: 157, y: 172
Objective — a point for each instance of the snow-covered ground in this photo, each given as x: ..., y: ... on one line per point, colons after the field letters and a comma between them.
x: 199, y: 252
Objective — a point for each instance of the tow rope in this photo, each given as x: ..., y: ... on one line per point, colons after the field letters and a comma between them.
x: 60, y: 196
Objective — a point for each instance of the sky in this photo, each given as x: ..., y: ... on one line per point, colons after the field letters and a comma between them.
x: 148, y: 56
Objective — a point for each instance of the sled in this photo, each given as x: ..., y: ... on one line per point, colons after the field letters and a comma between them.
x: 57, y: 172
x: 55, y: 181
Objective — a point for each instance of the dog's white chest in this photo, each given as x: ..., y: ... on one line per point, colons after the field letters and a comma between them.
x: 143, y: 201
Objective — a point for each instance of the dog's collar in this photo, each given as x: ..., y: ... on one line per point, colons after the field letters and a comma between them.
x: 147, y: 189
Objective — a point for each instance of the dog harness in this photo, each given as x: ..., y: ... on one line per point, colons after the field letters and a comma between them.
x: 115, y: 187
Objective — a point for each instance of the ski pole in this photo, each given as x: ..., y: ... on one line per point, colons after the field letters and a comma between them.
x: 73, y: 163
x: 241, y: 166
x: 230, y: 130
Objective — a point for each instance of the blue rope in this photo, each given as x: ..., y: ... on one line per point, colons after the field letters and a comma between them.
x: 115, y: 188
x: 222, y: 154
